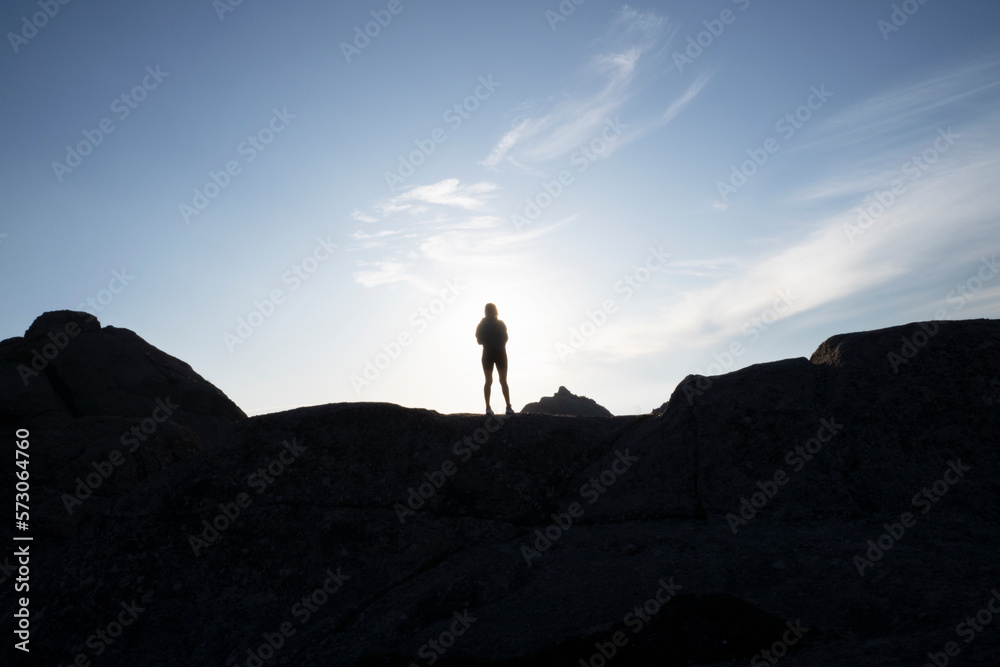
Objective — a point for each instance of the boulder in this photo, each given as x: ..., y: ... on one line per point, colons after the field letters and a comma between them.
x: 105, y: 410
x: 564, y: 402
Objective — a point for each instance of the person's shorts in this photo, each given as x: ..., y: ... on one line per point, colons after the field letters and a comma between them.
x: 493, y: 357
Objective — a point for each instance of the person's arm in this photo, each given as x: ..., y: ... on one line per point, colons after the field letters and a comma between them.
x: 479, y: 333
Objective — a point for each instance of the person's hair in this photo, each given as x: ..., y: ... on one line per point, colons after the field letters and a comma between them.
x: 491, y: 310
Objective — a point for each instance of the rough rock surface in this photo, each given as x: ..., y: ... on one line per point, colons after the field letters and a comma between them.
x: 566, y: 403
x: 764, y: 508
x: 100, y: 393
x: 101, y: 371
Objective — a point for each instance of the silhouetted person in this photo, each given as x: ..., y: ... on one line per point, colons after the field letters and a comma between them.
x: 492, y: 335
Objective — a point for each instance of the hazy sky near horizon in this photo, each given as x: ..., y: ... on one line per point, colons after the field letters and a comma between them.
x: 311, y: 202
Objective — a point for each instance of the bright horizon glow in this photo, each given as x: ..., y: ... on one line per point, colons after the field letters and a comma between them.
x: 534, y: 162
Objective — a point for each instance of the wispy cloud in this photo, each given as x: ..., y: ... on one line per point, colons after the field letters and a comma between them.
x: 365, y: 236
x: 452, y: 222
x: 678, y: 105
x: 357, y: 214
x: 382, y: 273
x: 932, y: 230
x: 484, y: 250
x: 542, y: 137
x: 418, y: 200
x: 524, y: 128
x: 432, y: 227
x: 898, y: 115
x: 450, y: 192
x: 897, y: 135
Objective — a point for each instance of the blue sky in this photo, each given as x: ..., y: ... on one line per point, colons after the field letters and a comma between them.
x: 307, y: 214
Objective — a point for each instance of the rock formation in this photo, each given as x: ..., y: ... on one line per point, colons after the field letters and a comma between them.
x: 564, y: 402
x: 833, y: 511
x: 102, y: 396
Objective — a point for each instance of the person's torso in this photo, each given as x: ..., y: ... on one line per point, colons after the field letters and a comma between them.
x: 493, y: 332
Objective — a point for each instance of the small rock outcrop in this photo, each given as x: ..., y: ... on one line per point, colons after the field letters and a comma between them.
x: 568, y: 404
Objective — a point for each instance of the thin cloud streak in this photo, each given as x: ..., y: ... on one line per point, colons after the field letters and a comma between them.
x: 450, y: 193
x: 386, y: 272
x: 904, y: 112
x: 441, y: 226
x: 577, y: 120
x: 952, y: 206
x: 683, y: 100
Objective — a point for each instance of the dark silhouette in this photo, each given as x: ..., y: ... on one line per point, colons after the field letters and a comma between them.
x: 492, y: 335
x: 565, y: 402
x: 851, y: 471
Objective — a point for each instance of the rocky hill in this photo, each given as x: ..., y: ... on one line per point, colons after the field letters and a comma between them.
x: 832, y: 511
x: 110, y: 408
x: 565, y: 402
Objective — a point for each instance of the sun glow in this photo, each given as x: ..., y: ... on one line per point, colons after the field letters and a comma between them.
x: 449, y: 354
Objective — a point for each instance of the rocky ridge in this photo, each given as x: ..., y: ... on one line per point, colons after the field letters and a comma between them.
x: 841, y: 509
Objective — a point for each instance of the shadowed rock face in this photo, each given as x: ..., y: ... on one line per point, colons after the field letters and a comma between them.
x: 748, y: 515
x: 97, y: 394
x: 67, y: 364
x: 564, y: 402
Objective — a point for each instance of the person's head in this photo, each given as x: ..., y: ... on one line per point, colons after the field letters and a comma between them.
x: 491, y: 310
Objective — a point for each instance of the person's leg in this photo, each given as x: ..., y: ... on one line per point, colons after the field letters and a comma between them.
x: 488, y: 373
x: 502, y: 373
